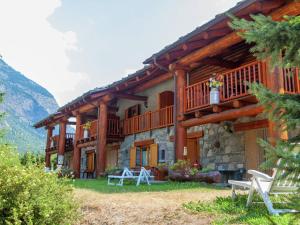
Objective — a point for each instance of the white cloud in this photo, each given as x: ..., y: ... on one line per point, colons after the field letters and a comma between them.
x: 31, y: 45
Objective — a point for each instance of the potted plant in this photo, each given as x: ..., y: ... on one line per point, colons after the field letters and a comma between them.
x: 215, y: 82
x: 86, y: 129
x: 162, y: 171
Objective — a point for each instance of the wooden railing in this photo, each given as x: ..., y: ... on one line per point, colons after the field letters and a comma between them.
x: 113, y: 129
x: 197, y: 95
x: 55, y: 142
x: 291, y: 80
x: 148, y: 121
x: 236, y: 81
x: 235, y: 85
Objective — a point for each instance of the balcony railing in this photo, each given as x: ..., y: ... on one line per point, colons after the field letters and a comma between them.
x: 113, y: 129
x: 291, y: 80
x: 235, y: 85
x: 148, y: 121
x: 235, y: 82
x: 55, y: 142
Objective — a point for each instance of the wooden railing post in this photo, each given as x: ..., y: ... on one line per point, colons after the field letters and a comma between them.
x: 48, y: 145
x: 77, y: 150
x: 102, y: 136
x: 62, y: 142
x: 180, y: 131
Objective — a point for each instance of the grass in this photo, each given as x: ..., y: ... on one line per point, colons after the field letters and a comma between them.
x: 100, y: 185
x: 227, y: 211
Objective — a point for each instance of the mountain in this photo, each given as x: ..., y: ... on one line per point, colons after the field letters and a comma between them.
x: 25, y: 102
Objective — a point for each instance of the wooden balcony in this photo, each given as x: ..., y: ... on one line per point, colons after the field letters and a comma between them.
x: 148, y: 121
x: 235, y: 86
x: 69, y: 144
x: 113, y: 131
x: 291, y: 81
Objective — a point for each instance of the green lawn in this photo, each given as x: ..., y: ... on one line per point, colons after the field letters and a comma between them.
x: 100, y: 185
x: 235, y: 212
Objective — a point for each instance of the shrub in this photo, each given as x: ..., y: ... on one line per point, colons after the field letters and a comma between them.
x: 30, y: 158
x: 182, y: 166
x: 30, y: 196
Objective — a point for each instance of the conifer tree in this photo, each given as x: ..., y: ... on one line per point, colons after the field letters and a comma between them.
x: 271, y: 39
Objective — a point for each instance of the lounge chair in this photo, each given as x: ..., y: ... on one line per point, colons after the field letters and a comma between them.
x: 127, y: 174
x: 266, y: 185
x: 144, y: 176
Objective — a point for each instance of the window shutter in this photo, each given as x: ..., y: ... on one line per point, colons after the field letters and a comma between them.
x: 153, y: 155
x: 132, y: 157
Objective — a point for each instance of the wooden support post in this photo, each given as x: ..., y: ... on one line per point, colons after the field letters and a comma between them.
x: 275, y: 83
x: 180, y: 132
x: 48, y: 145
x: 62, y: 142
x: 102, y: 130
x: 77, y: 149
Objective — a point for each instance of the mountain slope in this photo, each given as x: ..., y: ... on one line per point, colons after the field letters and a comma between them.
x: 25, y: 102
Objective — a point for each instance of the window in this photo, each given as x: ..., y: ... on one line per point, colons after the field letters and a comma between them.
x: 142, y: 156
x: 166, y: 99
x: 162, y: 155
x: 132, y: 111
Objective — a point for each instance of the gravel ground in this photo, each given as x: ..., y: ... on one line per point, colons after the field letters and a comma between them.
x: 144, y: 208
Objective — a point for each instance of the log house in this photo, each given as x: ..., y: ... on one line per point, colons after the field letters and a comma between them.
x: 151, y: 116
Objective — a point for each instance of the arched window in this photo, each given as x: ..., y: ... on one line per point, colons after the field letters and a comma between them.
x: 166, y: 99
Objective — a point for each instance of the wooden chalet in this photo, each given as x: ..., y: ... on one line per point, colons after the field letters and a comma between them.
x: 163, y: 113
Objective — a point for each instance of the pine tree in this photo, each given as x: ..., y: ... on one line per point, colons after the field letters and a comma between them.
x: 271, y: 39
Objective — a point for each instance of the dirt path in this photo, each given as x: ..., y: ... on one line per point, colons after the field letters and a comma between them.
x: 144, y: 208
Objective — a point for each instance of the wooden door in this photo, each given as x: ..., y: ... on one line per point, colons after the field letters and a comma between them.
x: 111, y: 157
x: 254, y: 154
x: 90, y: 162
x: 193, y: 151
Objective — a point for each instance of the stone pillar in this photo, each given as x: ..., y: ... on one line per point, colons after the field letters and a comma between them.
x: 62, y: 143
x: 275, y: 83
x: 77, y: 150
x: 48, y: 145
x: 180, y: 132
x: 101, y: 139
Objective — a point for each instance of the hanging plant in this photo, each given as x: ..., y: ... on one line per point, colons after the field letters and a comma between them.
x: 87, y: 125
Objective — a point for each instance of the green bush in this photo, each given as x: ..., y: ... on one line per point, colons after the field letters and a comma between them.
x: 30, y: 196
x: 30, y: 158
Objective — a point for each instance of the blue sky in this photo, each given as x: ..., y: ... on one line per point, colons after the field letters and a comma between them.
x: 71, y: 46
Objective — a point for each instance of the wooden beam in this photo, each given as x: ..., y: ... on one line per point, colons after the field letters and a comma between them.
x: 143, y: 142
x: 217, y: 109
x: 251, y: 125
x: 153, y: 82
x: 292, y: 8
x: 237, y: 104
x: 250, y: 110
x: 198, y: 114
x: 132, y: 97
x: 87, y: 144
x: 216, y: 61
x: 196, y: 134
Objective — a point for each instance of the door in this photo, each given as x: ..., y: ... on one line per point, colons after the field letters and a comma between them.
x: 254, y: 154
x: 193, y: 151
x: 111, y: 157
x: 90, y: 162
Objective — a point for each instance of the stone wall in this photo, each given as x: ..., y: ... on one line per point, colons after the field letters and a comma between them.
x: 221, y: 148
x: 160, y: 136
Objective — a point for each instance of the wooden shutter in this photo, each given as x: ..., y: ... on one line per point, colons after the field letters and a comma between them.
x: 90, y: 162
x: 153, y: 156
x: 132, y: 157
